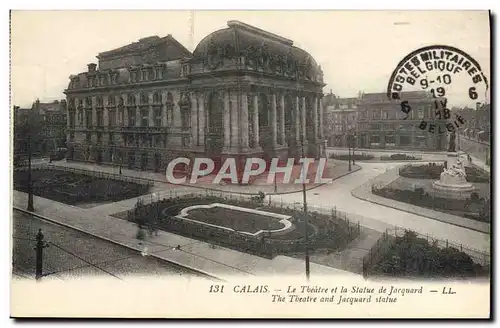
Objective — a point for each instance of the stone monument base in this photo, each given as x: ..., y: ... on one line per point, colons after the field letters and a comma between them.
x: 453, y: 186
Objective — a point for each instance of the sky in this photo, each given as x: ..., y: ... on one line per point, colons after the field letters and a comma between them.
x: 357, y: 50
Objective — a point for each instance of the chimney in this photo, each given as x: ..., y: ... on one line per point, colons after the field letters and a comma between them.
x: 92, y: 67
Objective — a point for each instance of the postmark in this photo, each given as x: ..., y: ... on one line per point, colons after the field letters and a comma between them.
x: 443, y: 73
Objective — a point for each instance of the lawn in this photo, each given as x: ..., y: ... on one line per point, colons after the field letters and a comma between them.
x: 412, y: 256
x: 420, y: 192
x: 234, y: 219
x: 325, y: 231
x: 75, y: 188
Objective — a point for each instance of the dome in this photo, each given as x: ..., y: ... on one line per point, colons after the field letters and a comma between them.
x: 240, y: 39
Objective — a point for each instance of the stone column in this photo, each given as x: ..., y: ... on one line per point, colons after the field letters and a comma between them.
x: 227, y: 118
x: 125, y: 110
x: 176, y: 119
x: 282, y: 120
x: 297, y: 119
x: 303, y: 119
x: 94, y: 111
x: 163, y: 108
x: 194, y: 118
x: 235, y: 121
x: 244, y: 120
x: 256, y: 120
x: 151, y: 116
x: 274, y: 132
x: 315, y: 117
x: 321, y: 127
x: 137, y: 110
x: 201, y: 118
x: 105, y: 116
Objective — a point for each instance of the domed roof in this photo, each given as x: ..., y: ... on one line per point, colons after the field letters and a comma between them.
x: 240, y: 39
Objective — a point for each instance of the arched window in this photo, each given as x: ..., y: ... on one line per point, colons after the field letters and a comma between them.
x: 156, y: 98
x: 111, y: 100
x: 144, y: 99
x: 131, y: 99
x: 88, y: 102
x: 99, y: 101
x: 170, y: 108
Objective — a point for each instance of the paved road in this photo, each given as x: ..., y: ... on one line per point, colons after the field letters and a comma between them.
x: 379, y: 217
x: 72, y: 254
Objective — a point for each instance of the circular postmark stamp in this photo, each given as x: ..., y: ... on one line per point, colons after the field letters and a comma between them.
x: 446, y: 75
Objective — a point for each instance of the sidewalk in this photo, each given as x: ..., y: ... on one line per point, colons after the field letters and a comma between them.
x: 480, y: 164
x: 336, y: 169
x: 364, y: 192
x: 202, y: 257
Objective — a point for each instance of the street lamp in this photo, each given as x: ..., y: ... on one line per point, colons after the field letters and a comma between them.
x: 349, y: 151
x: 305, y: 210
x: 353, y: 146
x: 30, y: 182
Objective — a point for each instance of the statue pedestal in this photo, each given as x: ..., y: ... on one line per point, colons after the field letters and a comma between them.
x: 453, y: 183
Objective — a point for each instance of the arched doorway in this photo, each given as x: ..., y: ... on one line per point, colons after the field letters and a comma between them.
x: 214, y: 136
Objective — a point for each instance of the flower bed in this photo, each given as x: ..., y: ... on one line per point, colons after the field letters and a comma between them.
x: 410, y: 255
x: 433, y: 171
x: 474, y: 208
x: 399, y: 157
x: 74, y: 188
x: 357, y: 157
x: 324, y: 231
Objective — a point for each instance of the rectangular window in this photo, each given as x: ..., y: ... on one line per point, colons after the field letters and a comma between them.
x: 420, y: 113
x: 375, y: 139
x: 404, y: 140
x: 131, y: 117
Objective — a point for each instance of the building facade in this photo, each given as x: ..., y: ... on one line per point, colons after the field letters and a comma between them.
x: 243, y: 92
x: 382, y: 124
x: 50, y: 131
x: 477, y: 122
x: 53, y: 118
x: 341, y: 120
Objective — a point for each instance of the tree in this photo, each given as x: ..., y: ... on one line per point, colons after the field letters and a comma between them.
x: 27, y: 136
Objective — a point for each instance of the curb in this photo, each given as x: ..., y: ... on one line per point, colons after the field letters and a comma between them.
x: 44, y: 218
x: 246, y: 193
x: 354, y: 193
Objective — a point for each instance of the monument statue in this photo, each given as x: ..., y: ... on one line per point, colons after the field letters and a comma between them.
x: 456, y: 170
x: 453, y: 180
x: 452, y: 143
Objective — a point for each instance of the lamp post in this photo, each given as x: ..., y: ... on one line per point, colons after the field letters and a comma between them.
x: 353, y: 146
x: 30, y: 182
x: 349, y: 152
x: 305, y: 212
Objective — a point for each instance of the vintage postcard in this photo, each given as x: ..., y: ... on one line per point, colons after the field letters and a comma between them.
x: 263, y: 164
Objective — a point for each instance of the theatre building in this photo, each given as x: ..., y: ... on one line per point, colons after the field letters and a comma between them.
x: 382, y: 124
x: 243, y: 92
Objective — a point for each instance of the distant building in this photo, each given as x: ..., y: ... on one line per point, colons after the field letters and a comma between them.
x: 51, y: 118
x: 477, y: 122
x: 341, y: 119
x: 382, y: 124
